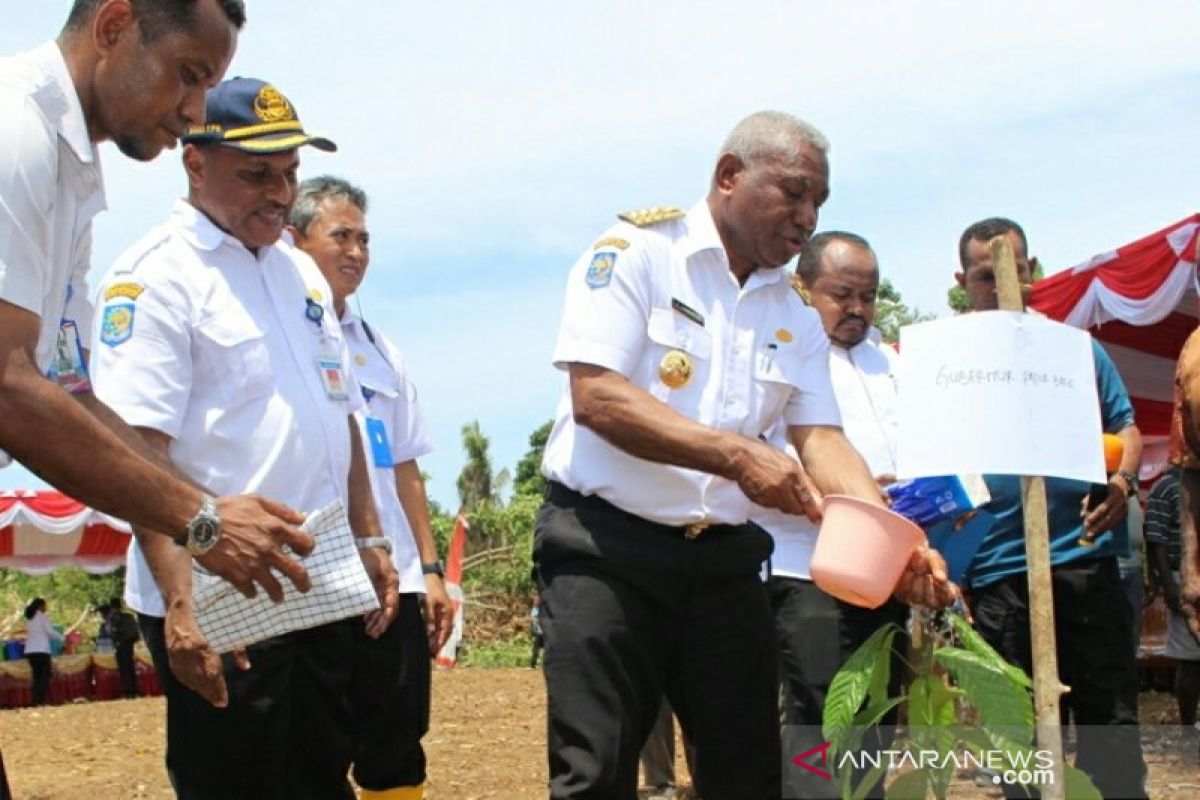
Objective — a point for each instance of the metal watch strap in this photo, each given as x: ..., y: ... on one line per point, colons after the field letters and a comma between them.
x: 1131, y: 480
x: 433, y: 568
x: 374, y: 541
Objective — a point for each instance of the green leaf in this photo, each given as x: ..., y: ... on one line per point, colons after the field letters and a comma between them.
x: 849, y: 687
x: 912, y: 785
x: 1079, y: 785
x: 975, y: 643
x: 881, y: 673
x: 872, y: 714
x: 1002, y: 703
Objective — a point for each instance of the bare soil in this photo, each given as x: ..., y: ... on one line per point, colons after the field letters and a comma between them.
x: 487, y: 741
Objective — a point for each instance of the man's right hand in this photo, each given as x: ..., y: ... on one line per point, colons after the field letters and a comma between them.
x: 772, y: 478
x: 193, y: 663
x: 254, y: 531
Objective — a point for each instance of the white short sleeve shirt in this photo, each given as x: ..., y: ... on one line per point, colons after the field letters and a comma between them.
x: 220, y: 349
x: 865, y: 386
x: 398, y: 434
x: 50, y: 189
x: 643, y: 298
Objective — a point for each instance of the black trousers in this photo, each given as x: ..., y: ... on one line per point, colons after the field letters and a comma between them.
x: 39, y: 665
x: 631, y: 611
x: 127, y: 670
x: 816, y: 633
x: 389, y: 696
x: 1093, y: 630
x: 286, y: 733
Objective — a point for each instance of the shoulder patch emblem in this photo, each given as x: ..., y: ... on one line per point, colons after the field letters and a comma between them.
x: 650, y: 216
x: 130, y: 290
x: 599, y: 273
x: 610, y: 241
x: 116, y: 326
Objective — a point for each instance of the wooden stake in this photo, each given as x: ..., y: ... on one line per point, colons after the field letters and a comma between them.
x: 1047, y: 689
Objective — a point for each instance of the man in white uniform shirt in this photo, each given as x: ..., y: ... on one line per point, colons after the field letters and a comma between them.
x: 391, y: 684
x: 133, y: 72
x: 684, y: 343
x: 218, y: 342
x: 839, y: 275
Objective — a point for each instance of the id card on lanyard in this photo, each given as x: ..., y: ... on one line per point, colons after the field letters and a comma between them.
x: 329, y: 357
x: 68, y: 369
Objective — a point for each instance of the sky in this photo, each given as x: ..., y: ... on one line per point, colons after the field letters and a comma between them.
x: 498, y: 140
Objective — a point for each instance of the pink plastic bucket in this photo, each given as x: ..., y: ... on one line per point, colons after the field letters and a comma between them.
x: 862, y: 550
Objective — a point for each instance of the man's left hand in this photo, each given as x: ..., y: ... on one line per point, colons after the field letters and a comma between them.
x: 387, y: 588
x: 925, y: 581
x: 1111, y: 512
x: 439, y: 613
x: 1190, y: 599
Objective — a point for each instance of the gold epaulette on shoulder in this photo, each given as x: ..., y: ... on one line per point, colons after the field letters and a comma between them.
x: 650, y: 216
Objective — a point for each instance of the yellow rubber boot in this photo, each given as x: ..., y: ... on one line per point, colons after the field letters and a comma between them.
x: 399, y: 793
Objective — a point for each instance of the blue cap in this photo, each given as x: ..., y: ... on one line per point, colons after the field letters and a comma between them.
x: 254, y: 116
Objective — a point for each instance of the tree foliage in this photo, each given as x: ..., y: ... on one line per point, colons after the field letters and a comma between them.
x: 529, y: 480
x: 892, y: 313
x: 476, y: 482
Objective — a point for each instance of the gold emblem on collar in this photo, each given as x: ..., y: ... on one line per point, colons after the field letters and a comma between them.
x: 271, y: 106
x: 675, y: 369
x: 361, y: 360
x: 783, y: 335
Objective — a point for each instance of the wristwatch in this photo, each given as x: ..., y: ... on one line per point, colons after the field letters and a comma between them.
x: 1131, y: 480
x: 368, y: 542
x: 433, y: 568
x: 205, y: 528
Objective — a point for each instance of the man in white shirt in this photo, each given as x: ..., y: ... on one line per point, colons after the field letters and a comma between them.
x: 839, y: 275
x: 134, y: 73
x: 218, y: 342
x: 390, y: 689
x: 684, y: 343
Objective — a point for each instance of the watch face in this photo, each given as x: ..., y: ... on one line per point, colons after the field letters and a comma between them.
x: 204, y: 533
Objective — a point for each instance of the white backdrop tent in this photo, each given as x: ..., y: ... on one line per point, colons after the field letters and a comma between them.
x: 1140, y: 301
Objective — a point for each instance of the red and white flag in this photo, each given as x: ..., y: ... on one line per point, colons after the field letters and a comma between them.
x: 448, y: 655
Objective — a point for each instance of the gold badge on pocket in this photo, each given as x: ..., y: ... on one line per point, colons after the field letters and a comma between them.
x: 675, y: 369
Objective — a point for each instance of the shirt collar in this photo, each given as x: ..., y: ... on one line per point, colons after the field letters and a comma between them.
x: 72, y: 125
x: 702, y: 235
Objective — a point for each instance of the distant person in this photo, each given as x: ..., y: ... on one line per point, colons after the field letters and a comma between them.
x: 38, y: 634
x: 535, y: 630
x: 1164, y: 551
x: 1185, y: 451
x: 121, y: 629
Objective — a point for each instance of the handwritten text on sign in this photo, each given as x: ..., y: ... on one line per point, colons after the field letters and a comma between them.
x: 998, y: 392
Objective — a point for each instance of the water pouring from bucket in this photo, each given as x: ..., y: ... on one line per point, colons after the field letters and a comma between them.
x: 862, y: 550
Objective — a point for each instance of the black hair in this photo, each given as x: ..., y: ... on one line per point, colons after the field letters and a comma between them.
x: 35, y: 605
x: 157, y: 17
x: 808, y: 267
x: 984, y: 231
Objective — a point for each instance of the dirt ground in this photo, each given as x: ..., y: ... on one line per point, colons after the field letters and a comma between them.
x: 487, y: 741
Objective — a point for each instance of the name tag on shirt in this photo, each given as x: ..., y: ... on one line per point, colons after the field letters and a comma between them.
x: 68, y: 369
x: 332, y: 377
x: 381, y: 450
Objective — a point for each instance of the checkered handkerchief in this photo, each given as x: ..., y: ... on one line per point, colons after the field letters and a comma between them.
x: 341, y: 588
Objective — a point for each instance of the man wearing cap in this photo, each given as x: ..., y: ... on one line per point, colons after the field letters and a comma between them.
x: 219, y: 343
x: 133, y: 73
x: 684, y: 343
x: 390, y: 694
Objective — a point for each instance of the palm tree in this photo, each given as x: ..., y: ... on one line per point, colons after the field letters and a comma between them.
x: 475, y: 482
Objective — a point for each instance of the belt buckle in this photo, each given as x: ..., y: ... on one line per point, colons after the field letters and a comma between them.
x: 694, y: 530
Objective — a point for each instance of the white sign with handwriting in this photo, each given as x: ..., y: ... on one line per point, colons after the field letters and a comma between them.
x: 998, y: 392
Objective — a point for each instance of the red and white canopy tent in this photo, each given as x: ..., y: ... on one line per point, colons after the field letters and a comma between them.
x: 1140, y: 301
x: 43, y: 530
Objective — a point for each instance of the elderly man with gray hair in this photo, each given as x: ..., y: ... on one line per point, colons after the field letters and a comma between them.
x: 683, y: 343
